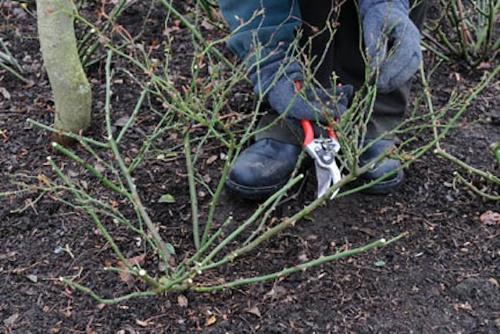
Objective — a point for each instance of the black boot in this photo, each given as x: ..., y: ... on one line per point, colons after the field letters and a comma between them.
x: 262, y: 169
x: 382, y: 168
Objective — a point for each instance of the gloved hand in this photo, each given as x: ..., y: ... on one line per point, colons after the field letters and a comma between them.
x: 315, y: 104
x: 392, y: 41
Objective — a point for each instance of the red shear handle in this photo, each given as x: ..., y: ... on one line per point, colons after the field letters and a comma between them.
x: 307, y: 125
x: 308, y: 131
x: 332, y: 133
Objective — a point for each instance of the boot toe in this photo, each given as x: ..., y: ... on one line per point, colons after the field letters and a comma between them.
x: 384, y: 167
x: 262, y: 169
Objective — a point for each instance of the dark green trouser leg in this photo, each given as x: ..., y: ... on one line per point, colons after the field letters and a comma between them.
x: 345, y: 59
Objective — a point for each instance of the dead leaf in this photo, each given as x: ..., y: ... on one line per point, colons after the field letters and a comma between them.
x: 99, y: 167
x: 67, y: 312
x: 10, y: 321
x: 490, y: 218
x: 137, y: 260
x: 182, y: 301
x: 121, y: 122
x: 7, y: 256
x: 276, y: 292
x: 211, y: 160
x: 43, y: 179
x: 5, y: 93
x: 141, y: 323
x: 89, y: 330
x: 211, y: 320
x: 493, y: 281
x: 484, y: 66
x: 32, y: 278
x: 128, y: 329
x: 124, y: 274
x: 255, y: 311
x: 462, y: 306
x: 207, y: 25
x: 303, y: 257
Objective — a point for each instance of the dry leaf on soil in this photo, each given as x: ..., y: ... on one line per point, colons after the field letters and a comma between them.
x: 125, y: 276
x: 10, y: 321
x: 211, y: 320
x: 255, y: 311
x: 182, y: 301
x: 142, y: 323
x: 490, y: 218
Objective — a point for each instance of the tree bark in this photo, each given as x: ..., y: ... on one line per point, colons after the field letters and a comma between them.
x: 70, y: 86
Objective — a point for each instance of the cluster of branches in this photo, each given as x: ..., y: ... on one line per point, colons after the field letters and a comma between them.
x: 9, y: 63
x: 202, y: 104
x: 466, y: 30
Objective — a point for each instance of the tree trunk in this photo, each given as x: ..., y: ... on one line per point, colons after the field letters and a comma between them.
x: 70, y: 87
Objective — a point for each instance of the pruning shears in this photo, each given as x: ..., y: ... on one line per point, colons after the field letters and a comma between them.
x: 323, y: 151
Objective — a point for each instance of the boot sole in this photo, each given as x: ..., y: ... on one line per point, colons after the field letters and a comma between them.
x: 260, y: 194
x: 256, y: 194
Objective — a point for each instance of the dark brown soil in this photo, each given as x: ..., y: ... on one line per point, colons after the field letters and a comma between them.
x: 441, y: 279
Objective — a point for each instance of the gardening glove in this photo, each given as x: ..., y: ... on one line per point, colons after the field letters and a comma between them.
x: 262, y: 33
x: 392, y: 41
x: 278, y: 83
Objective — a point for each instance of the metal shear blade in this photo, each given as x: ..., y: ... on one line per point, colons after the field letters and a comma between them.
x: 326, y: 179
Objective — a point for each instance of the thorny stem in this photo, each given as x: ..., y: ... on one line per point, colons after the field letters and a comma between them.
x: 102, y: 179
x: 91, y: 213
x: 87, y: 52
x: 473, y: 26
x: 301, y: 267
x: 250, y: 220
x: 102, y: 229
x: 476, y: 189
x: 276, y: 229
x: 107, y: 301
x: 192, y: 191
x: 68, y: 134
x: 14, y: 72
x: 209, y: 242
x: 272, y: 207
x: 134, y: 196
x: 197, y: 34
x: 487, y: 175
x: 442, y: 153
x: 9, y: 63
x: 215, y: 198
x: 132, y: 117
x: 430, y: 105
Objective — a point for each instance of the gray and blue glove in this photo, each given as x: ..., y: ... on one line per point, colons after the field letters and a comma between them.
x: 269, y: 26
x: 279, y: 84
x: 392, y: 41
